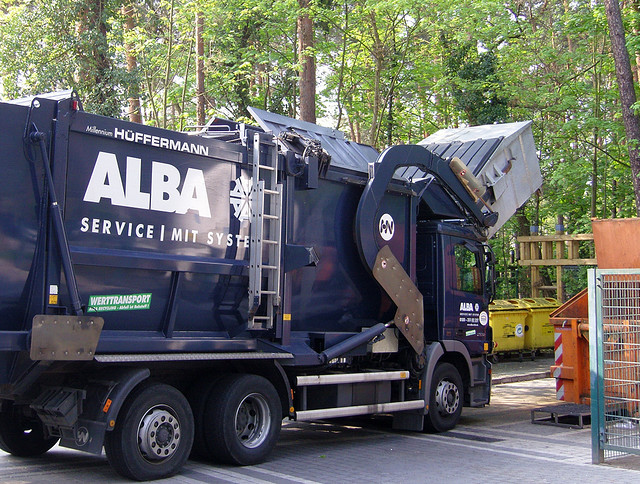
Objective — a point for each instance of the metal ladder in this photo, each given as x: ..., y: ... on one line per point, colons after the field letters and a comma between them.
x: 265, y: 234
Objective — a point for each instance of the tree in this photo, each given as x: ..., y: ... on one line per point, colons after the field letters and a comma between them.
x: 307, y: 63
x: 134, y: 110
x: 627, y: 91
x: 476, y: 88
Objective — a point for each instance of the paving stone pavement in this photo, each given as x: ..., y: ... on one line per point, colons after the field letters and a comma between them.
x: 509, y: 370
x: 495, y: 444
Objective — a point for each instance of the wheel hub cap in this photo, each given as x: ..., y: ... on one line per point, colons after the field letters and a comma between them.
x: 158, y: 434
x: 447, y: 397
x: 253, y: 420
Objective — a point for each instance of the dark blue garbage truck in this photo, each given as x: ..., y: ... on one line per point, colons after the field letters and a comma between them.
x: 166, y: 294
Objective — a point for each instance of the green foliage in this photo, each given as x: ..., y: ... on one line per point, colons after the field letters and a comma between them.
x: 476, y: 87
x: 59, y: 45
x: 251, y: 58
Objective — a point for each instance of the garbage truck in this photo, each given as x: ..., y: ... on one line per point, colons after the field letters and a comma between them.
x: 166, y: 294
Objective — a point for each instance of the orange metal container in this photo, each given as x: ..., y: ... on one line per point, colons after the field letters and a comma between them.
x: 616, y: 242
x: 571, y: 346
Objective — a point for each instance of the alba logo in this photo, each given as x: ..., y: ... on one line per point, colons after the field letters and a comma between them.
x: 169, y: 193
x: 467, y: 307
x: 386, y: 227
x: 240, y: 198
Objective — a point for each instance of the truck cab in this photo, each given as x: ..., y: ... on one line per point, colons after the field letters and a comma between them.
x: 457, y: 293
x: 455, y: 274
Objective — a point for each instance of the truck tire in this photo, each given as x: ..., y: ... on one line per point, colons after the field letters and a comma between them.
x: 198, y: 396
x: 22, y: 437
x: 242, y: 420
x: 153, y: 434
x: 445, y: 399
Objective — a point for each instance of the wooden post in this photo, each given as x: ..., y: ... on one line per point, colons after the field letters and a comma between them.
x: 535, y: 281
x: 525, y: 250
x: 559, y: 255
x: 535, y: 255
x: 547, y: 250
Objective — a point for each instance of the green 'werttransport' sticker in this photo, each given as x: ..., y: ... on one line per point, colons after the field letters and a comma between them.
x: 119, y: 302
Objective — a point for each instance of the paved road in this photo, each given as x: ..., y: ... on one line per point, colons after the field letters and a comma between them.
x: 497, y: 444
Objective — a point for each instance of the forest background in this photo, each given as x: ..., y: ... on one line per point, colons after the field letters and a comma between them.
x: 383, y: 71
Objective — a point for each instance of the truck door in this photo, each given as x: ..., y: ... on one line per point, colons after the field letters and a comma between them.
x: 466, y: 314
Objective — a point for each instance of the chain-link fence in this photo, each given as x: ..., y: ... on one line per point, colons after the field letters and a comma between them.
x: 614, y: 319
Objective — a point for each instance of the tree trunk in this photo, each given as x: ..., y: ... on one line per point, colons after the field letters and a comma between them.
x: 133, y: 111
x: 567, y: 10
x: 342, y: 64
x: 636, y: 31
x: 594, y: 161
x: 307, y: 64
x: 200, y: 94
x: 186, y: 76
x: 626, y: 89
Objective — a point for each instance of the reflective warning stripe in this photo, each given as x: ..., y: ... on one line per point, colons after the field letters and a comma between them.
x: 557, y: 345
x: 559, y: 389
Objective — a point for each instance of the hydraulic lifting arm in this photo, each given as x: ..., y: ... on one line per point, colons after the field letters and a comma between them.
x: 377, y: 255
x: 380, y: 175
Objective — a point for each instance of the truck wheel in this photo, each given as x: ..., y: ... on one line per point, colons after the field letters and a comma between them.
x: 242, y: 419
x: 445, y: 399
x: 198, y: 396
x: 153, y: 434
x: 22, y: 437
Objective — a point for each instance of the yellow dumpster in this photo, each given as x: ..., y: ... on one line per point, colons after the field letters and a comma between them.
x: 507, y: 319
x: 538, y: 331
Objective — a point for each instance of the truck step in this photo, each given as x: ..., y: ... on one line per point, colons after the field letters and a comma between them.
x: 337, y: 379
x: 359, y: 410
